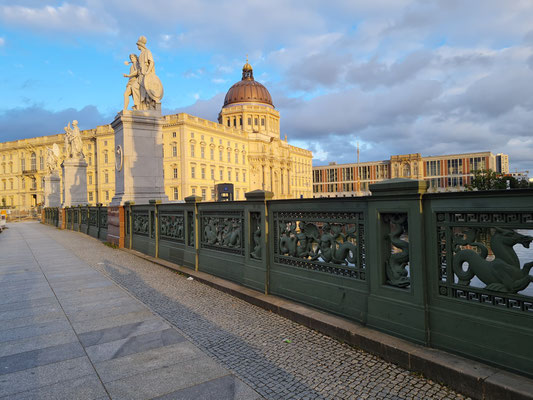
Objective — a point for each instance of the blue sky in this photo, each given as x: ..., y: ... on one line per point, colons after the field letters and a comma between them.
x: 399, y: 76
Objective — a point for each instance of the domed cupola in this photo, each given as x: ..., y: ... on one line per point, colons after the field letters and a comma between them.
x: 247, y: 90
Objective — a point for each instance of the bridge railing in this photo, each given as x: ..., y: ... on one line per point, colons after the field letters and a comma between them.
x: 447, y: 270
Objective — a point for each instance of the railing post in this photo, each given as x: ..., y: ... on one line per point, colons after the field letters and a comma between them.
x: 156, y: 224
x: 195, y: 200
x: 398, y: 301
x: 263, y: 197
x: 129, y: 204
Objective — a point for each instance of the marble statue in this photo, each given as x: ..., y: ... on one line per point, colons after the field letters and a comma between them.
x: 73, y: 142
x: 142, y: 73
x: 52, y: 156
x: 133, y: 88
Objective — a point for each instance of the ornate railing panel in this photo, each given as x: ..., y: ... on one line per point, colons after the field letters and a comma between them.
x: 331, y: 242
x: 172, y: 226
x: 140, y: 223
x: 256, y: 241
x: 84, y: 216
x: 190, y: 222
x: 397, y: 247
x: 93, y: 216
x: 103, y: 217
x: 222, y: 231
x: 478, y: 258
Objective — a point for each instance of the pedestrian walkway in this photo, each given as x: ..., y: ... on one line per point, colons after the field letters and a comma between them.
x: 69, y: 332
x: 69, y: 328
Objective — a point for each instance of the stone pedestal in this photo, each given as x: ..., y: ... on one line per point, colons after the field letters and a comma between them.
x: 138, y: 157
x: 74, y: 182
x: 52, y: 191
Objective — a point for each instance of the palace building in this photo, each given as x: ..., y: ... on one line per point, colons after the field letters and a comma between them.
x: 243, y: 148
x: 442, y: 173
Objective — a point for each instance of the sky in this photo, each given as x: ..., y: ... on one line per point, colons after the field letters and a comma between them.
x: 396, y: 76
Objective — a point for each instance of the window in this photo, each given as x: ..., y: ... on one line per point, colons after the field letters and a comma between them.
x: 11, y: 184
x: 234, y: 121
x: 212, y: 194
x: 90, y: 196
x: 212, y: 173
x: 193, y: 172
x: 22, y: 164
x: 244, y: 176
x: 173, y: 134
x: 220, y: 155
x: 433, y: 168
x: 236, y: 158
x: 106, y: 157
x: 203, y: 173
x: 262, y: 122
x: 193, y: 191
x: 174, y: 150
x: 33, y: 183
x: 105, y: 142
x: 90, y: 177
x: 192, y: 134
x: 229, y: 123
x: 229, y: 156
x: 175, y: 193
x: 249, y: 121
x: 202, y: 138
x: 106, y: 177
x: 175, y: 173
x: 107, y: 195
x: 212, y: 154
x: 192, y: 150
x: 202, y: 152
x: 240, y: 121
x: 89, y: 146
x: 203, y: 194
x: 229, y: 175
x: 455, y: 166
x: 477, y: 163
x: 243, y: 159
x: 237, y: 176
x: 23, y: 183
x: 33, y: 160
x: 221, y: 176
x: 41, y: 162
x: 90, y: 160
x: 255, y: 121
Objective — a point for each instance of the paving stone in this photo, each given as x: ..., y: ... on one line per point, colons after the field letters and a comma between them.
x: 149, y: 360
x: 37, y: 342
x: 224, y: 388
x: 87, y: 388
x: 165, y: 380
x: 121, y: 332
x: 32, y: 320
x: 134, y: 344
x: 100, y: 313
x: 34, y: 358
x: 34, y: 330
x: 109, y: 322
x: 45, y: 375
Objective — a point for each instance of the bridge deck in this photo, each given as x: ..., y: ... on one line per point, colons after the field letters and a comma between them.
x: 81, y: 320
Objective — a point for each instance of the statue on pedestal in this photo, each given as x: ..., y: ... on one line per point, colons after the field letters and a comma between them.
x: 144, y: 85
x: 52, y: 156
x: 73, y: 142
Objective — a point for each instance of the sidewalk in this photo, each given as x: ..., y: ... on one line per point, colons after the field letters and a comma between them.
x: 201, y: 335
x: 69, y: 332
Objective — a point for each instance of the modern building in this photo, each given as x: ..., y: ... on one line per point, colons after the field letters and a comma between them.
x: 243, y: 148
x: 443, y: 173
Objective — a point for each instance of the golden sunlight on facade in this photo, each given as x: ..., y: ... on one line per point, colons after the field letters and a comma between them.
x: 243, y: 148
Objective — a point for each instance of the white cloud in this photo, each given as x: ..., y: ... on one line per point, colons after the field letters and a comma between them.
x: 64, y: 18
x: 2, y: 41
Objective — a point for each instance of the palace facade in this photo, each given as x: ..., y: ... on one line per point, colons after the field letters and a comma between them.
x: 442, y: 173
x: 244, y: 148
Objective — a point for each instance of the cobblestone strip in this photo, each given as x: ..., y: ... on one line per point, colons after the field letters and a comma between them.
x: 251, y: 341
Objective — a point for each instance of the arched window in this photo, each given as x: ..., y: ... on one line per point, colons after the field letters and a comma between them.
x: 33, y: 161
x: 406, y: 170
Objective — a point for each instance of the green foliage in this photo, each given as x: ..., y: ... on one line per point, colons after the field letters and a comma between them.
x: 487, y: 179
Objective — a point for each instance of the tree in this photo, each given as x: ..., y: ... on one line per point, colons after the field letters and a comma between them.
x: 487, y: 179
